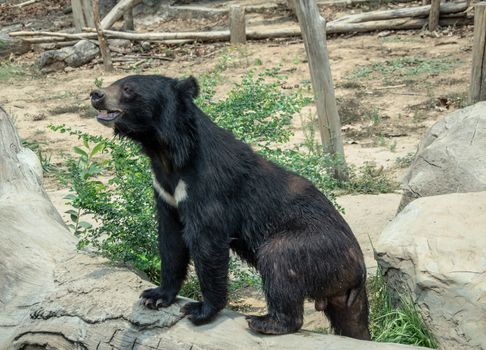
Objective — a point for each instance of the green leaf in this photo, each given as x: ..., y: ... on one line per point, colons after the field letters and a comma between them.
x: 70, y: 197
x: 85, y: 225
x: 80, y: 151
x: 99, y: 147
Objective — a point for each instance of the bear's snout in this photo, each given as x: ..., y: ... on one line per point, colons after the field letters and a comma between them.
x: 97, y: 98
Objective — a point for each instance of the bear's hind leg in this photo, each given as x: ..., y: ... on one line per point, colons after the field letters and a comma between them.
x: 348, y: 313
x: 283, y: 290
x: 283, y: 317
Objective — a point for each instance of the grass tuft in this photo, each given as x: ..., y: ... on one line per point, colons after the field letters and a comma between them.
x: 402, y: 67
x: 403, y: 324
x: 9, y: 71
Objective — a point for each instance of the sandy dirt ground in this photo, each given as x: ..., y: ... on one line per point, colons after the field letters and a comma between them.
x: 384, y: 111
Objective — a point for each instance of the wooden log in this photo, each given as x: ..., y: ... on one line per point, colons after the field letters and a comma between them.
x: 117, y: 12
x: 477, y: 89
x: 237, y: 24
x: 434, y: 15
x: 419, y: 11
x: 25, y: 3
x: 105, y: 51
x: 128, y: 20
x: 224, y: 35
x: 313, y: 28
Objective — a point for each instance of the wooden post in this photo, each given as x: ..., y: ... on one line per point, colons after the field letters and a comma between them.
x: 434, y: 15
x: 313, y: 28
x: 82, y: 14
x: 128, y: 20
x: 105, y: 51
x: 477, y: 90
x: 237, y: 24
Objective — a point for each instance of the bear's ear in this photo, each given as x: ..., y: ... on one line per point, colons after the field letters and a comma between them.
x: 188, y: 86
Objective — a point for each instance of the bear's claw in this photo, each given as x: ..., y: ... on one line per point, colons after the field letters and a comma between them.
x: 155, y: 298
x: 198, y: 312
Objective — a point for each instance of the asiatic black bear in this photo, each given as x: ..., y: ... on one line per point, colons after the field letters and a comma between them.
x: 214, y: 193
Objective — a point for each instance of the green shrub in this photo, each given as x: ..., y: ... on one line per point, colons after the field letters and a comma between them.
x: 122, y: 206
x: 256, y: 110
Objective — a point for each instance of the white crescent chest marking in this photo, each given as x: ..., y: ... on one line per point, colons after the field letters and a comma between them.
x: 180, y: 192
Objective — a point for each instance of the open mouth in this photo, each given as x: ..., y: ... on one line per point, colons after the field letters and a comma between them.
x: 108, y: 116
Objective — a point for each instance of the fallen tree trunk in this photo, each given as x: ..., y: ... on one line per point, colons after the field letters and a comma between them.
x: 224, y: 35
x: 52, y: 297
x: 420, y: 11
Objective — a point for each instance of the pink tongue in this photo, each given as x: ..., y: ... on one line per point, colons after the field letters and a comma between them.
x: 104, y: 115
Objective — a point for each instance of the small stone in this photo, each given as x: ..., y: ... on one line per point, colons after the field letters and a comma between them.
x: 384, y: 33
x: 120, y: 43
x: 145, y: 46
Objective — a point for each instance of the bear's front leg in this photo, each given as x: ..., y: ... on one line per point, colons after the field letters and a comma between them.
x: 211, y: 259
x: 174, y: 256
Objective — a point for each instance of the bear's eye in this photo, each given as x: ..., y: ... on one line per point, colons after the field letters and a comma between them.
x: 127, y: 92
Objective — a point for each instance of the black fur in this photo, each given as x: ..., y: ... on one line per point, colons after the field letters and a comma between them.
x: 274, y: 219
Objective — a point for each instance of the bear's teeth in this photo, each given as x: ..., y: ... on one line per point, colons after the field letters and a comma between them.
x: 103, y: 113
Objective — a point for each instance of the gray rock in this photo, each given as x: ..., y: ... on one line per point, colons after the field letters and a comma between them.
x: 95, y: 306
x: 51, y: 61
x: 434, y: 249
x: 29, y: 160
x: 82, y: 52
x: 120, y: 43
x: 451, y: 158
x: 10, y: 45
x: 73, y: 56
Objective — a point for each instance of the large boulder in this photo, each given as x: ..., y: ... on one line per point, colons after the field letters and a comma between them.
x: 451, y: 157
x: 435, y: 250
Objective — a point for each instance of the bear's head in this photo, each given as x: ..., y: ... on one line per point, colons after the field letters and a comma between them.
x: 141, y: 101
x: 154, y: 110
